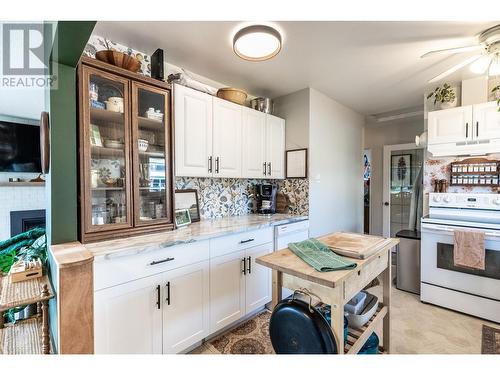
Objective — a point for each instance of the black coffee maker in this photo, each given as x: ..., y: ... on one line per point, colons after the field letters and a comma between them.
x: 266, y: 199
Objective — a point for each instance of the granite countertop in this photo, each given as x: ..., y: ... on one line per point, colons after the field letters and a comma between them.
x: 202, y: 230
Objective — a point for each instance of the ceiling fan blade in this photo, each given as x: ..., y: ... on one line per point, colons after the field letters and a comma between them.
x: 452, y: 50
x: 453, y: 69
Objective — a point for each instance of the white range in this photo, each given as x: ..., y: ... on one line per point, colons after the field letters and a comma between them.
x: 474, y: 292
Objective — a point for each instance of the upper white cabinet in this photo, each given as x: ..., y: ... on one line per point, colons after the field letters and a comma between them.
x: 467, y: 130
x: 450, y: 125
x: 486, y: 121
x: 227, y: 124
x: 275, y: 146
x: 254, y: 144
x: 218, y: 138
x: 193, y: 132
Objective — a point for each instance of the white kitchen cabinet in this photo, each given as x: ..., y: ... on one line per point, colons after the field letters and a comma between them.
x: 450, y: 125
x: 227, y: 290
x: 486, y: 121
x: 128, y: 318
x: 185, y: 307
x: 275, y: 146
x: 258, y: 279
x: 227, y: 129
x: 254, y: 144
x: 193, y: 132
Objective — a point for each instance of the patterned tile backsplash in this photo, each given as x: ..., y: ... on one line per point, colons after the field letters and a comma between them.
x: 439, y: 168
x: 220, y: 197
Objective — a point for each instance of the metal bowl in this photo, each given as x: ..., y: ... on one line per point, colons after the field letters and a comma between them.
x: 265, y: 105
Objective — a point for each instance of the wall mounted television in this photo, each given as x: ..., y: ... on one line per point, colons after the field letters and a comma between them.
x: 19, y: 147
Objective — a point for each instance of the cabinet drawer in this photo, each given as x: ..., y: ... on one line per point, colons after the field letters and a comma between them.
x: 114, y: 271
x: 235, y: 242
x: 363, y: 276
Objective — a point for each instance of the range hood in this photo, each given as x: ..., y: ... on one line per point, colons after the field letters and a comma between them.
x: 472, y: 148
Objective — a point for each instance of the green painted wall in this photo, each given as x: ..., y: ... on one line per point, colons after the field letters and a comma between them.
x: 62, y: 210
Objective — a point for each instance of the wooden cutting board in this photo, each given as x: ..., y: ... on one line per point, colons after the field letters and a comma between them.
x: 354, y: 245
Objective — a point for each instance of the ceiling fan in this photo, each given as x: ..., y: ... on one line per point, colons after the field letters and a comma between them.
x: 487, y: 58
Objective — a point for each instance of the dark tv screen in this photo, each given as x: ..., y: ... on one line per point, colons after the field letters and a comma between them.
x: 19, y: 147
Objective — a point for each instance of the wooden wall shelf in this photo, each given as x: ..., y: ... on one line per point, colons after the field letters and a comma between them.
x: 22, y: 183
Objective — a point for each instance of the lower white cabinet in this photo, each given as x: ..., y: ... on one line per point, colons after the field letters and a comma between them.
x: 185, y: 307
x: 165, y: 313
x: 227, y: 290
x: 238, y: 285
x: 128, y: 318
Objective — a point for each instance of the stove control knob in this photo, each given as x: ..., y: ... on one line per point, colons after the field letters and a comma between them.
x: 437, y: 198
x: 447, y: 199
x: 496, y: 201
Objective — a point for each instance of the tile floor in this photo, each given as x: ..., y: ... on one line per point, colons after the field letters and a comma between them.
x: 419, y: 328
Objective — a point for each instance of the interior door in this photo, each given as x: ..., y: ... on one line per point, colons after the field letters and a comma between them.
x: 275, y: 146
x: 193, y: 132
x: 450, y: 125
x: 486, y: 121
x: 227, y: 138
x: 185, y: 307
x: 254, y: 144
x: 258, y: 279
x: 402, y: 199
x: 227, y: 290
x: 128, y: 318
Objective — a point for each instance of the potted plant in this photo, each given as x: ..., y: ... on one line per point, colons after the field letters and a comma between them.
x: 444, y: 97
x: 496, y: 92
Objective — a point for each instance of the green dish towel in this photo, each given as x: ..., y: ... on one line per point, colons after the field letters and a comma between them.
x: 319, y: 256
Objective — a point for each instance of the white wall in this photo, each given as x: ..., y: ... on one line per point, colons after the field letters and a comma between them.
x: 336, y: 168
x: 295, y: 108
x: 375, y: 137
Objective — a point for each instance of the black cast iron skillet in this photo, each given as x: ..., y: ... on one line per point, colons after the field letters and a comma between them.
x: 296, y: 327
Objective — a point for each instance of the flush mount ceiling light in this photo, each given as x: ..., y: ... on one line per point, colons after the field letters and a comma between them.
x: 257, y: 43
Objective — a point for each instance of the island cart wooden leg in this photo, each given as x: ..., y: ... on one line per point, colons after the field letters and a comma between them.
x: 277, y: 287
x: 386, y: 299
x: 1, y: 319
x: 337, y: 311
x: 45, y: 322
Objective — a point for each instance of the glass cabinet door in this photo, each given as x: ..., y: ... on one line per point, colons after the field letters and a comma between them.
x: 106, y: 151
x: 151, y: 140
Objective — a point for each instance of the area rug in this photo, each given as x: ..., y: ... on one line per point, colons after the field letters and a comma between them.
x: 251, y: 337
x: 491, y: 340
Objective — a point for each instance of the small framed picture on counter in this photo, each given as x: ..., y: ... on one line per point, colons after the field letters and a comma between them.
x: 182, y: 218
x: 188, y: 199
x: 296, y: 163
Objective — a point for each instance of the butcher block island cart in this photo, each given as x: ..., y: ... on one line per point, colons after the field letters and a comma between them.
x: 336, y: 288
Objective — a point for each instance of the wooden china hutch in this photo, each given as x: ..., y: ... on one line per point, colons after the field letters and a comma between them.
x: 125, y: 152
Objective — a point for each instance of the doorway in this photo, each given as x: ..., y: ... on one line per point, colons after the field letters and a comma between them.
x: 367, y: 171
x: 402, y: 187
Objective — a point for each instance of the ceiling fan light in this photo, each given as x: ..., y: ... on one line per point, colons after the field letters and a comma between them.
x: 494, y: 67
x: 480, y: 65
x: 257, y: 43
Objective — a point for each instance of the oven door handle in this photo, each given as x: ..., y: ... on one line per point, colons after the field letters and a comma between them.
x: 442, y: 228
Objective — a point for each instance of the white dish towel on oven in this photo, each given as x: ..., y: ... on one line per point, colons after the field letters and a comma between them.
x: 468, y: 249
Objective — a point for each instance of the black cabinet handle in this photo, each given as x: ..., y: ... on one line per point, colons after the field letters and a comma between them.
x: 269, y: 168
x: 209, y: 164
x: 466, y: 130
x: 217, y: 164
x: 264, y: 167
x: 158, y: 298
x: 249, y: 264
x: 477, y: 129
x: 244, y: 260
x: 247, y: 241
x: 154, y: 262
x: 168, y: 294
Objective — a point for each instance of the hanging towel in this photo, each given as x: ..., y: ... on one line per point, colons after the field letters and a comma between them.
x: 319, y: 256
x: 468, y: 249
